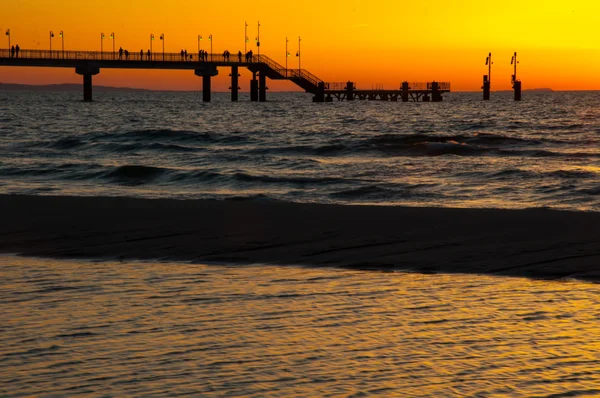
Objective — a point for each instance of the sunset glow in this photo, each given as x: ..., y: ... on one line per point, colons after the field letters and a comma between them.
x: 369, y: 42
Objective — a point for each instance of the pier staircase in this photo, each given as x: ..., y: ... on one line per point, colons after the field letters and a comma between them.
x: 273, y: 70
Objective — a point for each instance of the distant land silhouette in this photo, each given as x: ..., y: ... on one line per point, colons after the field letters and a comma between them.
x: 107, y: 89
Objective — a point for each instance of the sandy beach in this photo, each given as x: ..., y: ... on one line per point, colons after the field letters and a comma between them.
x: 535, y: 243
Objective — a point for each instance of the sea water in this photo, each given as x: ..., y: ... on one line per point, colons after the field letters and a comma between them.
x: 541, y: 152
x: 142, y: 329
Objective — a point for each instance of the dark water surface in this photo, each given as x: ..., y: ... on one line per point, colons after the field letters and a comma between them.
x: 157, y: 330
x: 543, y: 151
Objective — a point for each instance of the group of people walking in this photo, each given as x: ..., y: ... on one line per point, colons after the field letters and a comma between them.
x: 14, y: 51
x: 202, y: 55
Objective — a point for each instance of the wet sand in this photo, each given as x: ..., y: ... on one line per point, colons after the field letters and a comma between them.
x: 537, y: 243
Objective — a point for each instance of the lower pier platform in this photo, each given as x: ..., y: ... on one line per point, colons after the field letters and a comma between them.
x: 415, y: 92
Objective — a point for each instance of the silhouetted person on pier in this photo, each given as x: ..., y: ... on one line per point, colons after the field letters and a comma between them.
x: 126, y: 54
x: 12, y: 52
x: 185, y: 54
x: 149, y: 55
x: 141, y: 54
x: 181, y: 54
x: 120, y: 52
x: 17, y: 48
x: 240, y: 56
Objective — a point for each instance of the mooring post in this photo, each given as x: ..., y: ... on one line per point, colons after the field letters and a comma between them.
x: 234, y: 83
x: 206, y: 72
x: 517, y: 89
x: 350, y: 91
x: 87, y: 72
x: 486, y: 88
x: 254, y: 88
x: 404, y: 93
x: 262, y: 86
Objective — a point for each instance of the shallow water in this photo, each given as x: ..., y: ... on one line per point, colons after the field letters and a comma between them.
x: 543, y: 151
x: 158, y: 329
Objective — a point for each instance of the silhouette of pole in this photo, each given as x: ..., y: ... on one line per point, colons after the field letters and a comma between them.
x: 287, y: 54
x: 8, y: 34
x: 258, y: 41
x: 51, y: 36
x: 515, y: 82
x: 112, y: 36
x: 299, y: 57
x: 487, y: 79
x: 101, y: 45
x: 151, y: 40
x: 210, y: 39
x: 245, y: 37
x: 62, y: 44
x: 162, y: 38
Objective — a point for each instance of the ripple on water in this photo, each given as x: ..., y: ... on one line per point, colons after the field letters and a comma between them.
x: 144, y: 329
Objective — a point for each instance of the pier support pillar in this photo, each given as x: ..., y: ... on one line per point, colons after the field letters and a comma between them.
x: 262, y: 87
x: 436, y: 96
x: 320, y: 95
x: 87, y: 72
x: 517, y: 89
x: 254, y: 88
x: 404, y: 93
x: 206, y: 72
x: 234, y: 83
x: 486, y: 88
x: 206, y: 88
x: 350, y: 91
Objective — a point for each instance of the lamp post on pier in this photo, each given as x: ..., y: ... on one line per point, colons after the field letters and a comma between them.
x: 287, y: 54
x: 112, y: 36
x: 151, y: 40
x: 245, y: 37
x: 162, y: 38
x: 8, y: 34
x: 101, y: 45
x: 51, y: 36
x: 299, y: 58
x: 211, y: 43
x: 62, y: 43
x: 258, y: 41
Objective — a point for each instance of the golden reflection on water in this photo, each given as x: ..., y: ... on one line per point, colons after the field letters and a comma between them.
x: 140, y: 329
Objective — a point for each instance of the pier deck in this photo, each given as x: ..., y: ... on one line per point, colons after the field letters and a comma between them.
x: 89, y: 63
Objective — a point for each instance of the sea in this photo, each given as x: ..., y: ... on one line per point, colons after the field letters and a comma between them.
x: 100, y: 328
x: 541, y: 152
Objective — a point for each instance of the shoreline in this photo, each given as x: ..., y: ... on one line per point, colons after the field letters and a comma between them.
x: 534, y: 243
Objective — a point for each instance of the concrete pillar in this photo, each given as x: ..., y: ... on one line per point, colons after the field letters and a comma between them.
x: 486, y: 88
x: 517, y: 89
x: 262, y: 87
x: 206, y: 88
x: 436, y: 96
x: 254, y: 89
x: 206, y: 72
x: 320, y: 95
x: 350, y: 91
x: 404, y: 93
x: 87, y: 72
x: 234, y: 83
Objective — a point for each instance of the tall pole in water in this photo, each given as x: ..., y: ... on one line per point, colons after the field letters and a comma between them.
x: 62, y: 39
x: 8, y: 34
x: 101, y: 45
x: 299, y: 57
x: 515, y: 82
x: 245, y: 37
x: 210, y: 39
x: 287, y: 54
x: 513, y: 61
x: 487, y: 79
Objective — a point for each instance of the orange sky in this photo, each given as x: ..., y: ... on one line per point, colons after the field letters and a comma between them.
x: 366, y: 41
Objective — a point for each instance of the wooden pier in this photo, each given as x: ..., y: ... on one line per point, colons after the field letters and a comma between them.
x: 89, y: 63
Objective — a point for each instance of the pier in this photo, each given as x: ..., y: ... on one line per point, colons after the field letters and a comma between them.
x: 89, y: 63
